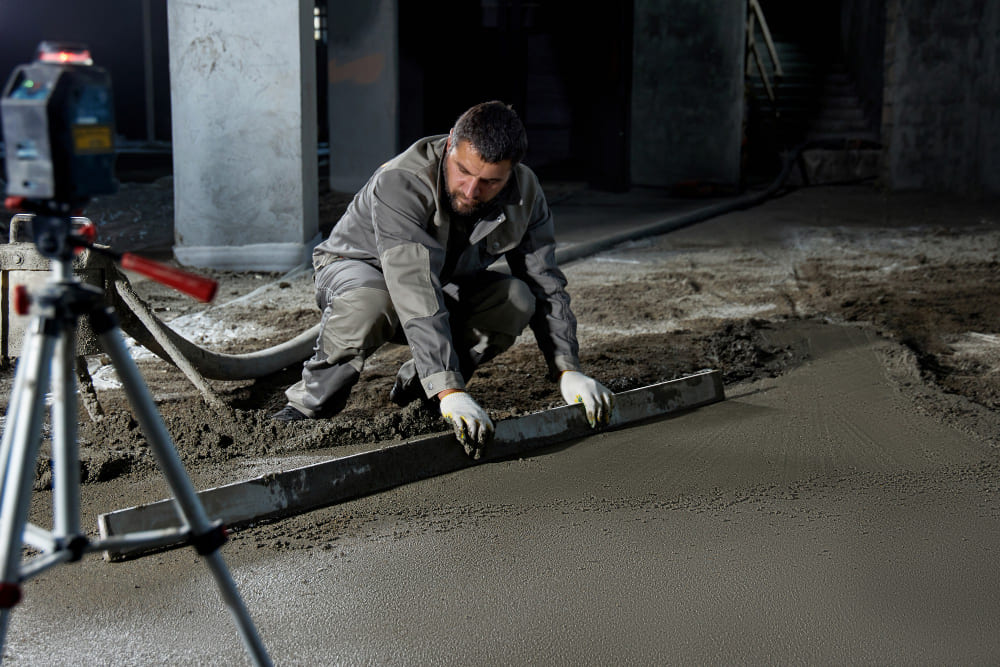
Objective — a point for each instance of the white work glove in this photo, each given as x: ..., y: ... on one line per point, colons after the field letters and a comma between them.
x: 596, y: 398
x: 472, y: 425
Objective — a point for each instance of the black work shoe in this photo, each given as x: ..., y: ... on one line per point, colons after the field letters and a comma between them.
x: 403, y: 394
x: 288, y: 414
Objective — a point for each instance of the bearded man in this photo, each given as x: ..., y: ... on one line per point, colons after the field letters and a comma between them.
x: 409, y: 261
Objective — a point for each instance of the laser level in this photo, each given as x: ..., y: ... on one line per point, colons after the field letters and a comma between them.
x: 58, y: 127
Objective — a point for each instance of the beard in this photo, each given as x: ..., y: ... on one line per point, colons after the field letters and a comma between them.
x: 465, y: 207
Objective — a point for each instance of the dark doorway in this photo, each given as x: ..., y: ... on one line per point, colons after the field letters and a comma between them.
x: 566, y: 69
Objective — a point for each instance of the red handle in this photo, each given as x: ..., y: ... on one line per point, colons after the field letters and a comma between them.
x: 195, y: 286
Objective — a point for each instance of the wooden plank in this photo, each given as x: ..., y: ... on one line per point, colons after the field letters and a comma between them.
x: 302, y: 489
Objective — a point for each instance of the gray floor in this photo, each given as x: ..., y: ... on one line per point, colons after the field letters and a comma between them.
x: 818, y: 517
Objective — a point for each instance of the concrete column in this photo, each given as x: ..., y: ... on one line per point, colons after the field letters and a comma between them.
x: 687, y: 91
x: 363, y: 89
x: 941, y: 121
x: 242, y: 78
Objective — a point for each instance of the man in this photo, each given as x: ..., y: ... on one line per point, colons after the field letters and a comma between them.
x: 410, y: 256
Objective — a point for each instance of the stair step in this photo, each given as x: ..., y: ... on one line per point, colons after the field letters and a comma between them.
x: 819, y: 165
x: 789, y: 89
x: 814, y: 99
x: 842, y: 114
x: 828, y: 90
x: 842, y: 102
x: 869, y: 136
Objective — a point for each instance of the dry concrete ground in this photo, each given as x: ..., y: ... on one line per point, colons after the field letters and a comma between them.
x: 839, y: 506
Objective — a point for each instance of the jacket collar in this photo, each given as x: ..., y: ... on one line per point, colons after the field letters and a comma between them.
x: 493, y: 217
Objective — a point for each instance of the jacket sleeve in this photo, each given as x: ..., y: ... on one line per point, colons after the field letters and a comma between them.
x: 411, y: 260
x: 534, y: 262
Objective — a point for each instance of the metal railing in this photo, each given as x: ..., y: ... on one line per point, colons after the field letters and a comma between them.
x: 755, y: 19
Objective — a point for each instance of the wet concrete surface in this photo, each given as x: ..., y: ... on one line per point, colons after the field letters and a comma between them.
x: 818, y: 517
x: 827, y: 515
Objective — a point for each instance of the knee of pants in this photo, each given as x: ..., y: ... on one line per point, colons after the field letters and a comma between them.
x: 357, y: 322
x: 518, y: 308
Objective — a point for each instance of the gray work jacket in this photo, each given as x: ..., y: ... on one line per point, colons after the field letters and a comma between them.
x: 399, y: 223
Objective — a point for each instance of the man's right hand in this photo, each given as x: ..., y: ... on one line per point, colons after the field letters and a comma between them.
x: 472, y: 425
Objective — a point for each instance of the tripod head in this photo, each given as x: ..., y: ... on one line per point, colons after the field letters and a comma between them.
x: 58, y: 126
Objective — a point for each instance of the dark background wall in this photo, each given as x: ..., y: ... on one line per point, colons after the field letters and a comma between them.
x: 617, y: 94
x: 687, y: 99
x: 114, y: 31
x: 942, y: 129
x: 862, y: 41
x: 564, y: 67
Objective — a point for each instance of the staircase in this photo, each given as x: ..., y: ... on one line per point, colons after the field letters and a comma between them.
x: 805, y: 98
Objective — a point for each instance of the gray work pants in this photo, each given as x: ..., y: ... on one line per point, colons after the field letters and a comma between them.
x: 487, y: 313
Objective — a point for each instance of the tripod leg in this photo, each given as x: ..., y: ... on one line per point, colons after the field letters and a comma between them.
x: 21, y: 442
x: 18, y: 397
x: 65, y: 449
x: 207, y: 536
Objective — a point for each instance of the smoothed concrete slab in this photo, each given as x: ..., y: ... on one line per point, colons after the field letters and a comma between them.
x: 302, y: 489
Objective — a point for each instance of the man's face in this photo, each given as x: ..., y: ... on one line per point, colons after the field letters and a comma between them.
x: 471, y: 183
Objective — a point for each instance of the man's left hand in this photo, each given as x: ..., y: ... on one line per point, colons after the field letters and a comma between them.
x: 596, y: 398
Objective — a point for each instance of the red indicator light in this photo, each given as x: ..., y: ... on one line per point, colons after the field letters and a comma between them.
x: 64, y: 53
x: 67, y: 58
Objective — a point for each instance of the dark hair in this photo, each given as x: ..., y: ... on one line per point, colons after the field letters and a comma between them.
x: 494, y: 130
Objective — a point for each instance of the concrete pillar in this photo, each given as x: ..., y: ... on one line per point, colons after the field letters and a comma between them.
x: 941, y: 119
x: 363, y: 89
x: 687, y: 91
x: 242, y: 78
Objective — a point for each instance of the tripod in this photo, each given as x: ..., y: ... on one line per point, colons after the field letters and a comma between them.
x: 47, y: 360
